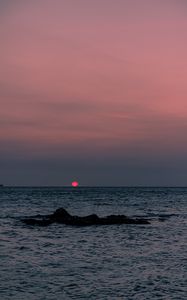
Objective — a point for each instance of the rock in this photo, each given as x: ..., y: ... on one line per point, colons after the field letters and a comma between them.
x: 61, y: 216
x: 42, y: 222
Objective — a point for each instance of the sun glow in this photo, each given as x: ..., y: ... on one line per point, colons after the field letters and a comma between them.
x: 74, y: 184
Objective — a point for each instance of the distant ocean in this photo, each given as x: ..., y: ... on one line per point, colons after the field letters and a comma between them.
x: 142, y: 262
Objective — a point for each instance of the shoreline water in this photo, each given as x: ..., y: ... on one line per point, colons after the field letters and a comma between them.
x: 127, y: 262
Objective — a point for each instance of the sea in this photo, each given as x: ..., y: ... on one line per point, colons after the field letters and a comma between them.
x: 133, y: 262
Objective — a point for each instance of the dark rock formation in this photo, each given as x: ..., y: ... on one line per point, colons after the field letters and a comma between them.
x: 61, y: 216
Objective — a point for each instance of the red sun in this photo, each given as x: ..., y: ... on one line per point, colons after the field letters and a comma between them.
x: 75, y: 184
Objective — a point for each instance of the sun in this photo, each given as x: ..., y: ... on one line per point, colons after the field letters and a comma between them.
x: 75, y: 184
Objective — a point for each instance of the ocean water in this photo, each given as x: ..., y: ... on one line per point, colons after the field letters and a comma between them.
x: 96, y: 262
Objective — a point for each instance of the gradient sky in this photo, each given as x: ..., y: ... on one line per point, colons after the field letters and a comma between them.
x: 94, y: 91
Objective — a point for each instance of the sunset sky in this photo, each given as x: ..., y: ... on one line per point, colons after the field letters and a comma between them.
x: 94, y: 91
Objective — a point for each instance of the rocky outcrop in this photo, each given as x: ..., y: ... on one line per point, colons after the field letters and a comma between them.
x: 61, y: 216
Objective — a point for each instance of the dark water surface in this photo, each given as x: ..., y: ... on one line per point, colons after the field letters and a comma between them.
x: 96, y: 262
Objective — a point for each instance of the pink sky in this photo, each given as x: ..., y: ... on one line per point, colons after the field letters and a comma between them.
x: 103, y: 79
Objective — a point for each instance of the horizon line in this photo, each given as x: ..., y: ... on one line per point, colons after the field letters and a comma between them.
x: 93, y: 186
